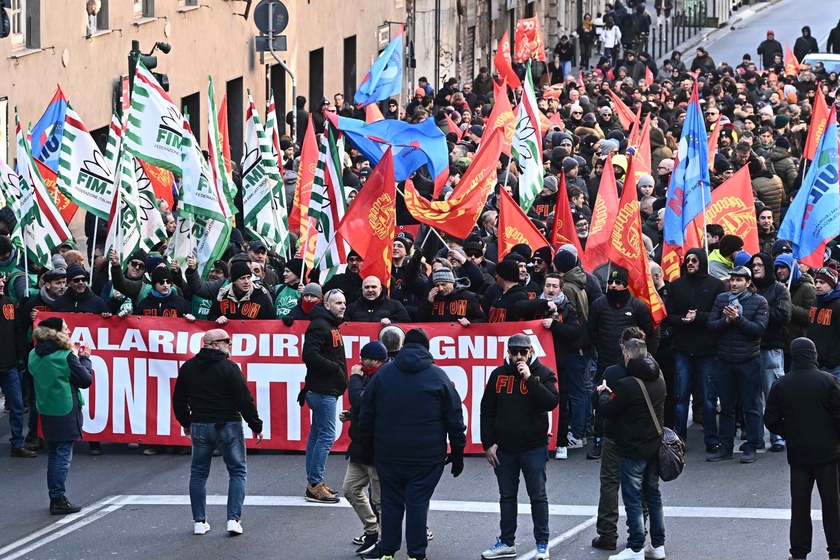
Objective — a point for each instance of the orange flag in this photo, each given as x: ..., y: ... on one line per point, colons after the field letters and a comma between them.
x: 819, y: 120
x: 515, y: 227
x: 563, y: 231
x: 791, y: 64
x: 625, y: 115
x: 299, y: 215
x: 224, y: 134
x: 453, y: 128
x: 733, y: 207
x: 627, y: 250
x: 66, y: 207
x: 502, y: 117
x: 642, y: 159
x: 458, y: 215
x: 162, y: 181
x: 648, y: 75
x: 503, y: 63
x: 580, y: 83
x: 372, y: 113
x: 529, y: 41
x: 713, y: 144
x: 603, y: 216
x: 370, y: 222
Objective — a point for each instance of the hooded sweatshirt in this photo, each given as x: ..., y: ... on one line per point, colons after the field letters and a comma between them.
x: 803, y: 296
x: 824, y: 328
x: 778, y: 304
x: 323, y: 354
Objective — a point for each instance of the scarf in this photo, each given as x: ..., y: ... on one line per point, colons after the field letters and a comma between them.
x: 308, y: 305
x: 45, y: 295
x: 370, y: 371
x: 558, y: 300
x: 735, y: 300
x: 587, y: 25
x: 159, y: 295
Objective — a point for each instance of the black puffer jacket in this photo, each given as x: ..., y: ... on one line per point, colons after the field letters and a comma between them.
x: 609, y: 316
x: 824, y: 329
x: 323, y: 354
x: 698, y: 292
x: 740, y: 340
x: 372, y: 311
x: 778, y: 305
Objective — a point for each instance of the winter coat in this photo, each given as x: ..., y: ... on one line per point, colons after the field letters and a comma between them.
x: 703, y: 63
x: 502, y: 308
x: 172, y: 305
x: 803, y: 296
x: 285, y: 298
x: 769, y: 189
x: 356, y: 451
x: 565, y: 327
x: 719, y: 266
x: 59, y: 375
x: 698, y: 292
x: 447, y: 309
x: 409, y: 408
x: 658, y: 149
x: 211, y: 388
x: 740, y: 340
x: 372, y: 311
x: 824, y: 329
x: 767, y: 49
x: 349, y: 283
x: 779, y: 312
x: 575, y: 290
x: 833, y: 42
x: 514, y: 412
x: 780, y: 164
x: 804, y: 46
x: 323, y: 354
x: 86, y: 302
x: 767, y: 239
x: 609, y: 316
x: 636, y: 436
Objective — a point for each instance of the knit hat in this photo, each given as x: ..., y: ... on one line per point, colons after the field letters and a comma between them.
x: 153, y: 262
x: 543, y: 253
x: 741, y: 259
x: 75, y: 270
x: 417, y: 336
x: 550, y: 183
x: 519, y: 340
x: 508, y: 270
x: 568, y: 247
x: 443, y: 274
x: 780, y: 246
x: 374, y: 350
x: 295, y: 265
x: 730, y: 244
x: 139, y: 255
x: 58, y: 261
x: 569, y: 164
x: 781, y: 121
x: 617, y: 273
x: 564, y: 261
x: 803, y: 348
x: 516, y: 257
x: 522, y: 249
x: 827, y: 275
x: 161, y: 273
x: 404, y: 239
x: 313, y: 289
x: 476, y: 130
x: 783, y: 143
x: 646, y: 181
x: 239, y: 269
x: 590, y: 119
x: 509, y: 177
x: 741, y: 271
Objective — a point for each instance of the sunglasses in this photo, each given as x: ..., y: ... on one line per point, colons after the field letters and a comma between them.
x: 137, y: 264
x: 165, y: 281
x: 615, y: 282
x: 692, y: 260
x: 79, y: 280
x: 225, y: 340
x: 537, y: 260
x: 519, y: 351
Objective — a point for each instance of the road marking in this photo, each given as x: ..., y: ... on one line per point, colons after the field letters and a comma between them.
x: 565, y: 536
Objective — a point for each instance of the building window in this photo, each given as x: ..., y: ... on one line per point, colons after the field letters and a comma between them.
x: 148, y: 8
x: 17, y: 15
x: 187, y: 3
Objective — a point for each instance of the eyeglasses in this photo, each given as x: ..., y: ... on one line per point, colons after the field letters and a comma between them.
x: 225, y: 340
x: 79, y: 280
x: 165, y: 281
x: 137, y: 264
x: 519, y: 351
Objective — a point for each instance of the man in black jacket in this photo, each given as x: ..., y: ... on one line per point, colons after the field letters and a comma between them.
x: 450, y: 301
x: 11, y: 346
x: 824, y: 321
x: 374, y: 306
x: 242, y: 299
x: 768, y: 48
x: 689, y: 302
x: 348, y: 282
x: 804, y: 408
x: 325, y: 382
x: 773, y: 340
x: 637, y: 440
x: 739, y: 319
x: 514, y: 428
x: 502, y: 307
x: 806, y: 44
x: 210, y: 400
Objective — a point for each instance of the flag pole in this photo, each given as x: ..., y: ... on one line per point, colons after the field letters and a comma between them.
x: 703, y: 233
x: 93, y: 244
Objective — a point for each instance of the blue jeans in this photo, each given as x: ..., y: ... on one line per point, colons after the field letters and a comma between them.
x: 532, y: 464
x: 321, y: 434
x: 772, y: 368
x: 60, y: 453
x: 406, y: 491
x: 230, y: 439
x: 567, y: 68
x: 687, y: 368
x: 744, y: 377
x: 577, y: 372
x: 10, y: 384
x: 641, y: 477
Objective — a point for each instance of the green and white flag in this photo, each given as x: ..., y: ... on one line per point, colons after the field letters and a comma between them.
x: 527, y: 145
x: 154, y: 131
x: 84, y: 175
x: 198, y: 193
x: 222, y: 181
x: 11, y: 196
x: 44, y: 228
x: 272, y: 134
x: 328, y: 205
x: 208, y: 239
x: 258, y: 182
x: 115, y: 136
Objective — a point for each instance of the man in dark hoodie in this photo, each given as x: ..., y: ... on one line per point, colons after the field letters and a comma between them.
x: 832, y: 44
x: 805, y: 45
x: 739, y: 319
x: 768, y: 49
x: 502, y: 308
x: 325, y: 382
x: 242, y: 299
x: 408, y: 410
x: 514, y: 427
x: 450, y: 301
x: 349, y: 282
x: 773, y: 340
x: 804, y: 408
x: 162, y: 300
x: 824, y: 321
x: 689, y: 303
x: 210, y: 401
x: 803, y: 295
x: 637, y: 440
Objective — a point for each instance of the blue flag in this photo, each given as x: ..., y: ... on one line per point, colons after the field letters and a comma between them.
x: 689, y: 191
x: 413, y: 145
x: 49, y: 132
x: 813, y: 218
x: 385, y: 77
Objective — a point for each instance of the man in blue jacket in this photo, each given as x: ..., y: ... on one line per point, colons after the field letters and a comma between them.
x: 408, y: 410
x: 739, y: 318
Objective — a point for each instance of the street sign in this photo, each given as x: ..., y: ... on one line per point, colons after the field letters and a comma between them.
x: 261, y: 43
x: 280, y: 16
x: 383, y: 36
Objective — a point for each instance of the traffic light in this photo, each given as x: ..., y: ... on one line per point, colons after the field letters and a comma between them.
x: 149, y: 61
x: 5, y: 24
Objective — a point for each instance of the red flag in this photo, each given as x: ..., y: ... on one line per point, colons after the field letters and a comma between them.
x: 529, y: 42
x: 162, y: 181
x: 713, y: 145
x: 370, y: 222
x: 625, y: 115
x: 819, y: 120
x: 627, y: 250
x: 299, y: 213
x: 458, y: 215
x: 453, y: 128
x: 563, y: 231
x: 372, y: 113
x: 733, y: 207
x: 580, y: 83
x: 66, y: 207
x: 642, y: 159
x: 603, y: 216
x: 515, y: 227
x: 648, y: 75
x: 223, y: 132
x: 503, y: 63
x: 791, y: 64
x: 502, y: 117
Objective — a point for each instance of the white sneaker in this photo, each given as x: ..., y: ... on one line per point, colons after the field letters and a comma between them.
x: 575, y: 443
x: 628, y: 554
x: 234, y: 527
x: 499, y: 550
x: 561, y: 454
x: 201, y: 527
x: 654, y: 552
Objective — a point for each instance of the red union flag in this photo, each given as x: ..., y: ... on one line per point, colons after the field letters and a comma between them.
x: 529, y: 42
x: 503, y: 63
x: 733, y: 208
x: 501, y: 117
x: 819, y: 121
x: 563, y: 231
x: 603, y: 216
x: 791, y: 64
x: 515, y: 227
x: 299, y: 220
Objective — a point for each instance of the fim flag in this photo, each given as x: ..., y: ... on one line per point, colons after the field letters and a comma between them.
x: 527, y: 145
x: 199, y: 195
x: 206, y: 238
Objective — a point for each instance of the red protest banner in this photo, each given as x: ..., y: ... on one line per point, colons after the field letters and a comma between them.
x: 136, y: 361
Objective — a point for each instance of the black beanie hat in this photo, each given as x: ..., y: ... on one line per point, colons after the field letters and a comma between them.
x: 240, y: 269
x: 508, y: 270
x: 803, y: 348
x: 564, y: 261
x: 417, y: 336
x: 730, y: 244
x: 161, y: 273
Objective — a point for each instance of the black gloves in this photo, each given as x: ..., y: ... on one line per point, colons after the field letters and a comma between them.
x: 288, y: 321
x: 457, y: 460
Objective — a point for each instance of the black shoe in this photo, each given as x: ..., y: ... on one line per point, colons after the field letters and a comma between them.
x: 368, y: 543
x: 720, y: 455
x: 777, y: 447
x: 712, y: 448
x: 23, y: 453
x: 359, y: 540
x: 603, y: 543
x: 374, y: 554
x: 95, y: 449
x: 746, y: 444
x: 595, y: 452
x: 748, y: 456
x: 60, y: 506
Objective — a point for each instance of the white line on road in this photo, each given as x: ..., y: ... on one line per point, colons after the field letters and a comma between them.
x: 565, y: 536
